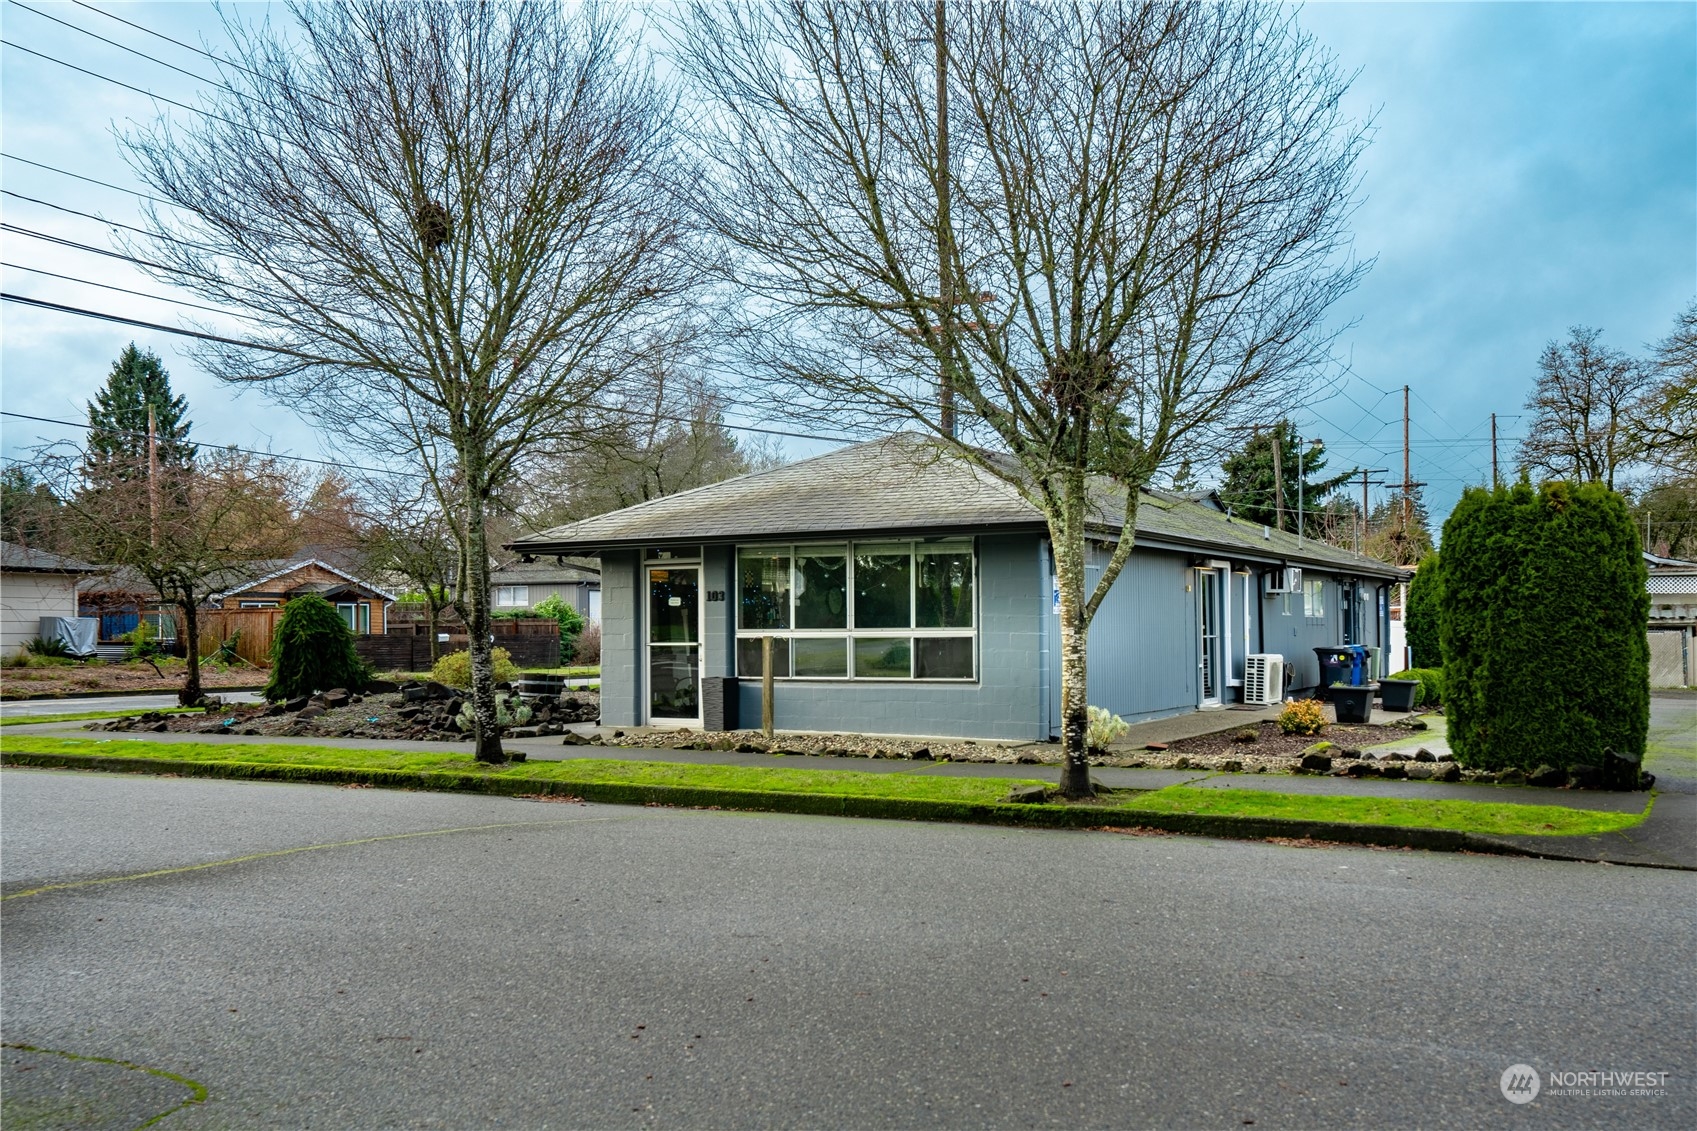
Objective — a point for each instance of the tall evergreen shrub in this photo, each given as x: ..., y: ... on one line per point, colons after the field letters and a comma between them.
x: 1543, y: 610
x: 313, y: 650
x: 1422, y: 614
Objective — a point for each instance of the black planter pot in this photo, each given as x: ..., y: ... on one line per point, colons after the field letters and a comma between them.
x: 1398, y: 694
x: 1353, y: 704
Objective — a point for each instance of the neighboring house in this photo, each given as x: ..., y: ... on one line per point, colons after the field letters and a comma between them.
x: 35, y: 584
x: 526, y: 584
x: 1673, y: 621
x: 909, y: 592
x: 123, y: 598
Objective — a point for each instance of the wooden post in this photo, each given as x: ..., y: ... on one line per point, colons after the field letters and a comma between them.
x: 766, y: 685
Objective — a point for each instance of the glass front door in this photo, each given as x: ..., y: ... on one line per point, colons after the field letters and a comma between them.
x: 674, y: 644
x: 1210, y: 593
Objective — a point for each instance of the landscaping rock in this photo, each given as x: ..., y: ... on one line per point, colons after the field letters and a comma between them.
x: 1315, y: 762
x: 1154, y: 746
x: 741, y: 748
x: 1394, y: 770
x: 1027, y: 795
x: 1321, y: 747
x: 1231, y: 766
x: 1347, y: 752
x: 337, y: 697
x: 1247, y: 734
x: 1547, y: 777
x: 1511, y: 777
x: 1363, y: 770
x: 1422, y: 772
x: 923, y: 754
x: 1424, y: 755
x: 1181, y: 763
x: 1585, y: 777
x: 414, y: 693
x: 311, y: 712
x: 1445, y: 756
x: 294, y: 705
x: 572, y: 739
x: 1028, y: 760
x: 439, y: 690
x: 1447, y: 771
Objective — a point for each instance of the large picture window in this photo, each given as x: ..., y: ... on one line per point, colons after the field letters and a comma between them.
x: 870, y: 610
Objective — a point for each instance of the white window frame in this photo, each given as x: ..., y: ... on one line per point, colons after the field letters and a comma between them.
x: 849, y: 633
x: 256, y: 604
x: 360, y: 612
x: 1314, y: 598
x: 512, y: 596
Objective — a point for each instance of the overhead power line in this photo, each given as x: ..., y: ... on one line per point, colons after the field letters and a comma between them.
x: 91, y: 180
x: 161, y: 328
x: 127, y: 86
x: 122, y: 290
x: 123, y: 47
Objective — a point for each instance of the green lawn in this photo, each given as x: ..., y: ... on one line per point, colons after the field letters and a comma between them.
x: 1492, y: 818
x: 1462, y: 816
x: 758, y: 779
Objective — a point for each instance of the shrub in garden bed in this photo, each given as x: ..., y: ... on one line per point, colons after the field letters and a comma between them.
x: 1543, y: 607
x: 1431, y: 680
x: 313, y: 651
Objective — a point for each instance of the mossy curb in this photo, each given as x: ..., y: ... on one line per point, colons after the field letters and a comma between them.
x: 811, y: 804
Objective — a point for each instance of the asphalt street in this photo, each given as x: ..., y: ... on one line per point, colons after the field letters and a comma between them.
x: 458, y: 961
x: 17, y: 708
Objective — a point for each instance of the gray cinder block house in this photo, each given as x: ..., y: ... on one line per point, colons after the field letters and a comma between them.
x: 909, y: 592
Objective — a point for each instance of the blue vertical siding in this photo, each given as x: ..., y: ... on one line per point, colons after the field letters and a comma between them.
x: 1144, y: 642
x: 621, y: 638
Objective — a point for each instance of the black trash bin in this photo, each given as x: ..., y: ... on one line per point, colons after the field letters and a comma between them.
x: 1336, y: 665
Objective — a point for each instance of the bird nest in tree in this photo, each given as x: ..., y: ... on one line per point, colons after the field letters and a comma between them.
x: 435, y: 227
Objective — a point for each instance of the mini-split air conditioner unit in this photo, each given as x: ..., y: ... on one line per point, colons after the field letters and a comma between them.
x: 1263, y: 679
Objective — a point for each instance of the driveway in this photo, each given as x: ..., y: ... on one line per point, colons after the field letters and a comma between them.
x: 325, y: 957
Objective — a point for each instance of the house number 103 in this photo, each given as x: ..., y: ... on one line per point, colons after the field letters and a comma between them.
x: 715, y: 595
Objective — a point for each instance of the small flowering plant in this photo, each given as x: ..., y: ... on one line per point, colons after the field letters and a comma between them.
x: 1302, y: 716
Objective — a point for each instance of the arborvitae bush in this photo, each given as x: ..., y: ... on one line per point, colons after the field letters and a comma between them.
x: 1543, y: 617
x: 313, y: 650
x: 1422, y: 614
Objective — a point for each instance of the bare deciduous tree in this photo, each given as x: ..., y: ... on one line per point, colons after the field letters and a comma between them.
x: 1109, y: 234
x: 1581, y: 427
x: 449, y: 220
x: 182, y: 530
x: 1665, y: 418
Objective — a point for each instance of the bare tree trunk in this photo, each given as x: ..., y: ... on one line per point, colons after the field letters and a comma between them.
x: 191, y: 694
x: 485, y: 731
x: 432, y: 616
x: 1067, y: 539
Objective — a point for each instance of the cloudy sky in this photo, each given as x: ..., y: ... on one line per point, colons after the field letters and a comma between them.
x: 1534, y: 167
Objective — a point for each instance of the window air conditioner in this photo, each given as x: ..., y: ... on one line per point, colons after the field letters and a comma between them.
x: 1282, y: 581
x: 1263, y: 679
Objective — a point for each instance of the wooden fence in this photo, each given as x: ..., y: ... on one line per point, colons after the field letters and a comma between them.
x: 410, y: 652
x: 251, y: 628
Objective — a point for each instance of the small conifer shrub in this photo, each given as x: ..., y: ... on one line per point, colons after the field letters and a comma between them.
x: 313, y: 651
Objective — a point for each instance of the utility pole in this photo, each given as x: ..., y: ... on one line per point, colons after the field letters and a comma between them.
x: 945, y: 234
x: 1407, y: 478
x: 152, y: 479
x: 1279, y: 473
x: 1496, y: 480
x: 1361, y: 530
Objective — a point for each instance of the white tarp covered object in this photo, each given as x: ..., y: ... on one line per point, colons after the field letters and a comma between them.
x: 77, y: 634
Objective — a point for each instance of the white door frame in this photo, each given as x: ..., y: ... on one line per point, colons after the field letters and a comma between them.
x: 648, y: 644
x: 1220, y: 578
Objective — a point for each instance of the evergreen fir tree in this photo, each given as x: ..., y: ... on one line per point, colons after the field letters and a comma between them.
x: 117, y: 419
x: 1248, y: 488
